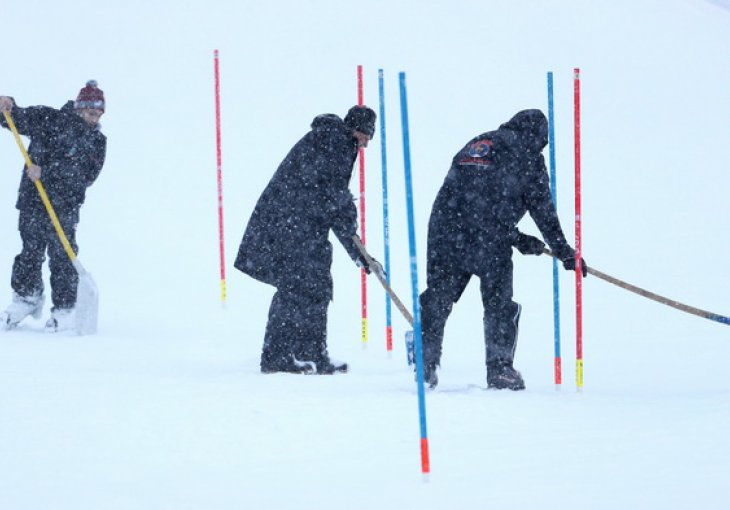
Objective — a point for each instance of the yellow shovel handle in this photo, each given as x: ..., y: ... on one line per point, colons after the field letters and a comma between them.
x: 42, y: 191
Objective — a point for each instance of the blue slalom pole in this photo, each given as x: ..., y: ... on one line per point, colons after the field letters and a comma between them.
x: 418, y: 341
x: 554, y: 193
x: 386, y: 220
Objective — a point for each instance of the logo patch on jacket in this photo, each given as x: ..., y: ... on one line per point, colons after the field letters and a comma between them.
x: 478, y: 154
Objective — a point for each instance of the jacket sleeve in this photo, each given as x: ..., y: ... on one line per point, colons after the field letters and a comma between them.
x: 29, y: 121
x: 345, y: 224
x: 334, y: 165
x: 95, y: 159
x: 543, y: 212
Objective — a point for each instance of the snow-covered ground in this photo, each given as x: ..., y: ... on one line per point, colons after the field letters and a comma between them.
x: 165, y: 408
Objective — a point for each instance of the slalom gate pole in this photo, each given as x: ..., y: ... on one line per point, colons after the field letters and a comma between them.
x: 418, y: 341
x: 578, y: 239
x: 363, y: 274
x: 219, y: 172
x: 386, y: 220
x: 557, y: 365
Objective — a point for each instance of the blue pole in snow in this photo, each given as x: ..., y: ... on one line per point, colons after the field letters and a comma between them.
x: 425, y: 467
x: 386, y: 220
x: 554, y: 193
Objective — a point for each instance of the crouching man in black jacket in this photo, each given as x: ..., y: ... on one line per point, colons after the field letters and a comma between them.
x: 286, y: 240
x: 493, y: 181
x: 68, y: 150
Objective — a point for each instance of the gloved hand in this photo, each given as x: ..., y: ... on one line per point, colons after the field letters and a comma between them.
x: 528, y: 245
x: 569, y: 264
x: 369, y: 268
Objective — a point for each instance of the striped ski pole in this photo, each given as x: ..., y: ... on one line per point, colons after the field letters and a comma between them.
x: 363, y: 275
x: 386, y: 224
x: 578, y: 239
x: 557, y: 368
x: 425, y: 463
x: 219, y: 172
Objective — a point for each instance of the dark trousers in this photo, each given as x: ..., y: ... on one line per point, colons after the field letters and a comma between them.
x: 297, y: 327
x: 446, y: 283
x: 38, y: 236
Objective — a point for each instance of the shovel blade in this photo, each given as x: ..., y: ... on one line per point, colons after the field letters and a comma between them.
x: 87, y: 305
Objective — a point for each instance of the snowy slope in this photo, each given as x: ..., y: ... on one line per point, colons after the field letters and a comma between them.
x: 165, y: 408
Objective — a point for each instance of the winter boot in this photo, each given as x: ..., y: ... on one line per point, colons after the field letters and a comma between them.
x: 289, y: 365
x: 20, y: 308
x: 329, y: 366
x: 430, y: 375
x: 62, y: 319
x: 502, y: 376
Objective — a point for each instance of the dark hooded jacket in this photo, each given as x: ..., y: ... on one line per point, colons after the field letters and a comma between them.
x: 69, y: 151
x: 493, y: 181
x: 286, y: 240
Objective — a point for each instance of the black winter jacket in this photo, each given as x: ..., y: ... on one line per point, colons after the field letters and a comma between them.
x: 493, y: 181
x: 70, y: 153
x: 287, y: 234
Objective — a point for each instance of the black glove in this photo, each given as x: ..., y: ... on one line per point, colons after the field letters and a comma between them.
x: 362, y: 263
x: 528, y: 245
x: 569, y: 264
x: 369, y: 268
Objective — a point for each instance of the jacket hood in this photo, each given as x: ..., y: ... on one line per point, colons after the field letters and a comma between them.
x: 530, y: 126
x: 327, y: 122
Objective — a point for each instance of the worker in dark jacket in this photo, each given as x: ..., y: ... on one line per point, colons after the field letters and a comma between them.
x: 68, y: 150
x: 493, y: 181
x: 286, y: 242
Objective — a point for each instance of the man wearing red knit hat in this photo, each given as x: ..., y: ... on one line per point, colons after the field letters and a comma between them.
x: 68, y: 150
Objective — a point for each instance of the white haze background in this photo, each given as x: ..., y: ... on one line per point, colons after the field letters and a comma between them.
x: 165, y: 408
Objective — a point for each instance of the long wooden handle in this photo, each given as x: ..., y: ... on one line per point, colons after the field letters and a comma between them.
x: 376, y: 269
x: 655, y: 297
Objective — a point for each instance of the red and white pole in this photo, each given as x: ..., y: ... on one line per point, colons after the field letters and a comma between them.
x: 363, y: 275
x: 578, y: 239
x: 219, y: 171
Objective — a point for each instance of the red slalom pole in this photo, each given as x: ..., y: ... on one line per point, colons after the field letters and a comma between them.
x: 363, y: 275
x: 578, y: 239
x: 219, y: 171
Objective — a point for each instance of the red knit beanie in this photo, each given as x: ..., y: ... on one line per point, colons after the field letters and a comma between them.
x: 91, y: 97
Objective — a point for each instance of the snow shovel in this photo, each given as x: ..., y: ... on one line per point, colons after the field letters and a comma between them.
x: 87, y: 294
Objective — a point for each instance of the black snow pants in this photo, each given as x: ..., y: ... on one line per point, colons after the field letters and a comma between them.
x: 446, y: 283
x: 297, y: 327
x: 38, y: 235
